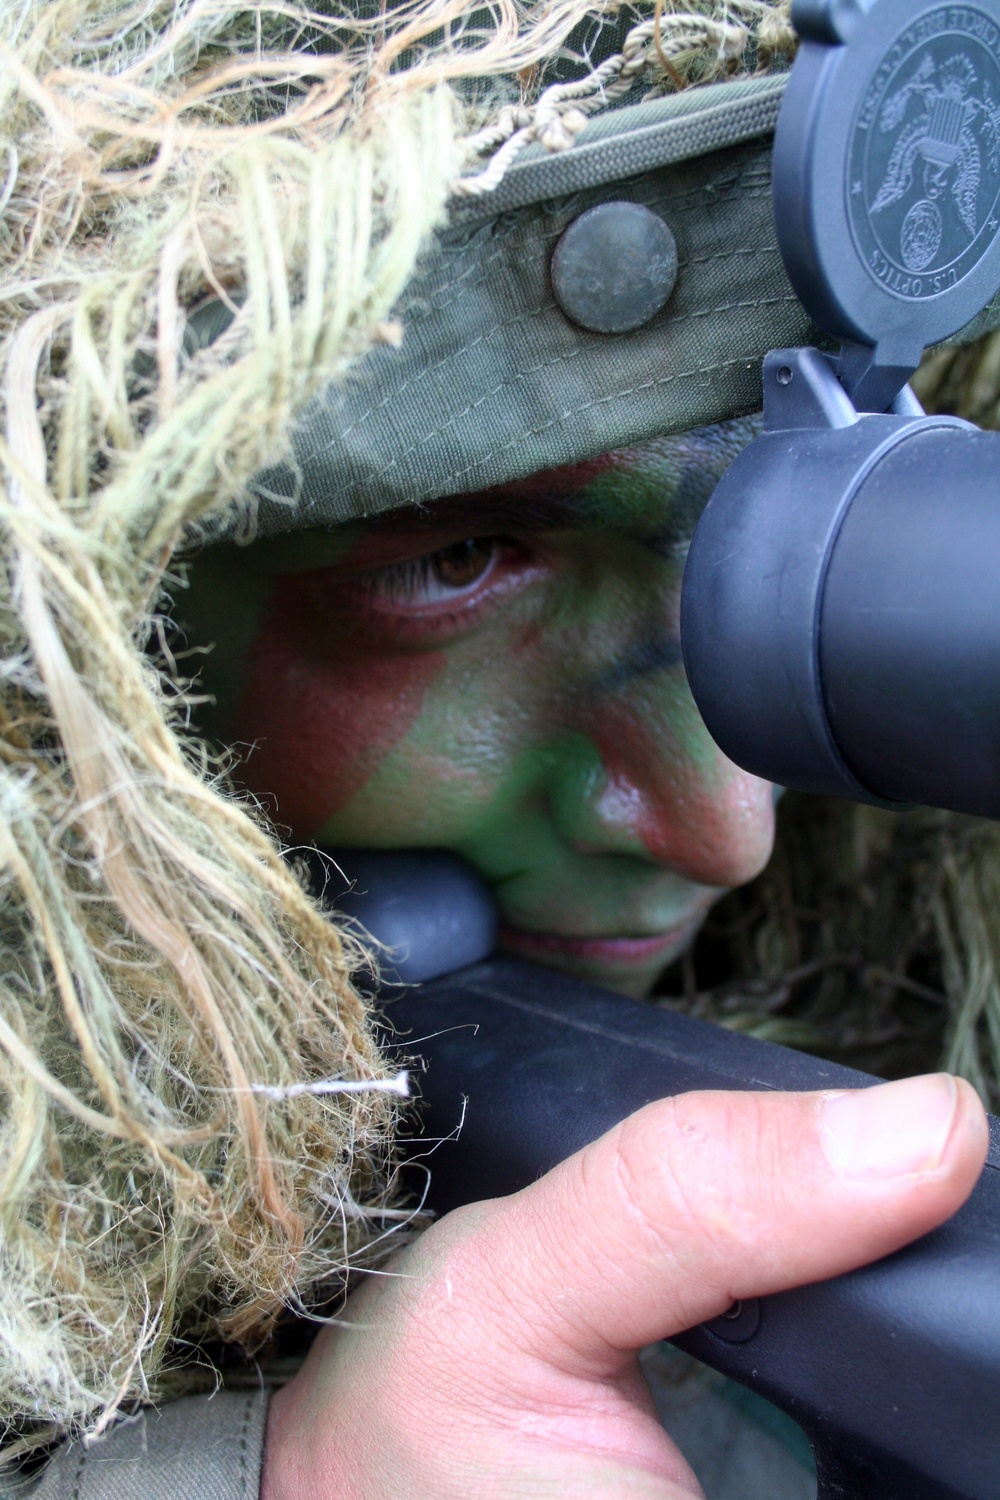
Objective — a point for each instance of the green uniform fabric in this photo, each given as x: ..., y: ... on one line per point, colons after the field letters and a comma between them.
x: 198, y: 1448
x: 211, y: 1447
x: 493, y: 382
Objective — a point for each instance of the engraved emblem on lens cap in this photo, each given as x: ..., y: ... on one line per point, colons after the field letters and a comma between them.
x: 887, y: 179
x: 923, y: 178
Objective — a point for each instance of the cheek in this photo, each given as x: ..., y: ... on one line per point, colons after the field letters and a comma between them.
x: 322, y: 724
x: 690, y: 807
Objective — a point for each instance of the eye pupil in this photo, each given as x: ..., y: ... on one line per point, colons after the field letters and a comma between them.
x: 461, y: 564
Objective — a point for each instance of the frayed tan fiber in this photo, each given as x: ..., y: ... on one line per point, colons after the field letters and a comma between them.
x: 661, y: 53
x: 872, y: 938
x: 169, y: 997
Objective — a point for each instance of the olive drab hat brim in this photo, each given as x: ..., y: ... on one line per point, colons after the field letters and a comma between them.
x: 493, y: 381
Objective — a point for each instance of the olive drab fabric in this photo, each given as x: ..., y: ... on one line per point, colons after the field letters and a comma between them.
x: 197, y: 1448
x: 492, y: 381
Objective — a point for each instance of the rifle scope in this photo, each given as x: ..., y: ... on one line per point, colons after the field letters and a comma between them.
x: 841, y: 606
x: 840, y: 618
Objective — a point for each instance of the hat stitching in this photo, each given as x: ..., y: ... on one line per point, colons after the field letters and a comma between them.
x: 429, y: 305
x: 432, y: 369
x: 683, y: 201
x: 751, y: 252
x: 565, y: 416
x: 673, y: 319
x: 587, y: 406
x: 416, y: 308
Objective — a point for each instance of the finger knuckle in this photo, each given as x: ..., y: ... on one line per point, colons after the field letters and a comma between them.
x: 697, y: 1168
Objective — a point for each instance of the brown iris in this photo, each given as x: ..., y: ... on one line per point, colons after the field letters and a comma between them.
x: 460, y: 565
x: 433, y: 577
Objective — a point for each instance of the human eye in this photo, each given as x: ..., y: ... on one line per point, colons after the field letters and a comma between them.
x: 455, y: 575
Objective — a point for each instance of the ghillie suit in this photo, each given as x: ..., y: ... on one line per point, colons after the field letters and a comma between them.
x: 872, y: 937
x: 196, y: 1123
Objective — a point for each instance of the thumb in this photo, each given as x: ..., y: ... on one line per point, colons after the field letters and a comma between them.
x: 700, y: 1200
x: 497, y: 1356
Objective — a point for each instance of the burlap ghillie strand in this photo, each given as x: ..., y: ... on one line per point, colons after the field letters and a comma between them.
x: 872, y: 938
x: 161, y: 961
x: 965, y: 382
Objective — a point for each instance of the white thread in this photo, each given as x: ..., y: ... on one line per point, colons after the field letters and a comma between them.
x: 399, y: 1085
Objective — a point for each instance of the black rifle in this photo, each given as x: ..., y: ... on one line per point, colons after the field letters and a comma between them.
x: 840, y: 628
x: 893, y: 1371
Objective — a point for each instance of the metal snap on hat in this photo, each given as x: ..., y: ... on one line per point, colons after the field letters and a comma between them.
x: 614, y: 267
x: 493, y: 381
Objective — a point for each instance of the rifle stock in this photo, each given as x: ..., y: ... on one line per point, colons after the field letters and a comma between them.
x: 893, y: 1371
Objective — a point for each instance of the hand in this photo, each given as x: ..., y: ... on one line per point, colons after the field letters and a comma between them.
x: 499, y: 1357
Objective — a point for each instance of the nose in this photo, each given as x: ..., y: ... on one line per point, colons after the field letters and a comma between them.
x: 657, y: 787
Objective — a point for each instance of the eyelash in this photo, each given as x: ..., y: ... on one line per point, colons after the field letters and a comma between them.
x: 423, y: 582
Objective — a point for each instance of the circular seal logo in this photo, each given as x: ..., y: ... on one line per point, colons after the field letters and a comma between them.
x: 923, y: 178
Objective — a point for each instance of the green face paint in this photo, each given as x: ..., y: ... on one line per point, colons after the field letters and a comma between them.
x: 500, y: 675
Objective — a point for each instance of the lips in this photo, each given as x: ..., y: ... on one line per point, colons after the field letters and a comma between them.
x: 619, y: 951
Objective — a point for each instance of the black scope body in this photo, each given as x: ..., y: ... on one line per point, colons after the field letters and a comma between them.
x: 840, y: 616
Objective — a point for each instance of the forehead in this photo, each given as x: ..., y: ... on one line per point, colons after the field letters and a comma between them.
x: 654, y: 491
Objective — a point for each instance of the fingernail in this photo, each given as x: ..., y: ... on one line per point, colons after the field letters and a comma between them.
x: 890, y: 1130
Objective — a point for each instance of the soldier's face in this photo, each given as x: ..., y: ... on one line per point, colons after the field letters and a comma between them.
x: 500, y: 675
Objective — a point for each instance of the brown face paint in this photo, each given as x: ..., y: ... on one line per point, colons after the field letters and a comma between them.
x: 323, y: 705
x: 689, y: 808
x: 541, y: 726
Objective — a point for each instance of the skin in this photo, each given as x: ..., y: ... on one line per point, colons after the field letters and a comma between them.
x: 498, y: 1358
x: 500, y: 674
x: 534, y: 717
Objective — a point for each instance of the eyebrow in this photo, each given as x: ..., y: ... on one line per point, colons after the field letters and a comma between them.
x: 687, y: 501
x: 483, y: 516
x: 557, y: 499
